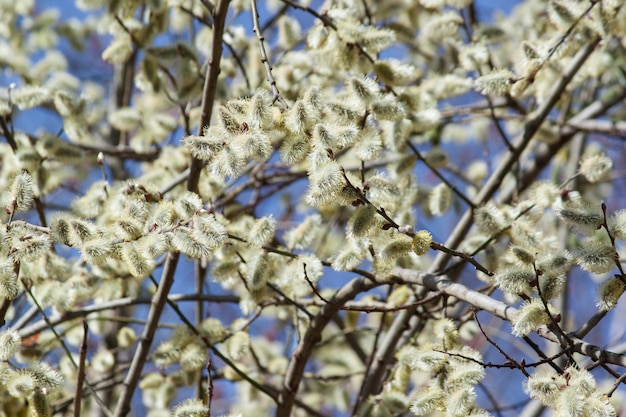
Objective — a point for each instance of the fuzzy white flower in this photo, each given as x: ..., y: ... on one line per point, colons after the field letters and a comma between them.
x: 595, y: 168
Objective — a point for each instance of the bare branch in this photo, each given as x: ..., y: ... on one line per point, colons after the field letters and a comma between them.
x: 264, y: 57
x: 81, y: 370
x: 210, y: 85
x: 141, y: 355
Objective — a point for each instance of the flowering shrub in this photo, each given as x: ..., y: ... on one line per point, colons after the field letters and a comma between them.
x: 353, y: 207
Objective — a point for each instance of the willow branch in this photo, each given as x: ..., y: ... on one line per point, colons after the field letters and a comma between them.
x: 81, y: 371
x: 65, y: 348
x: 313, y: 335
x: 264, y: 57
x: 141, y: 355
x: 57, y: 319
x: 210, y: 85
x: 502, y: 310
x: 384, y: 354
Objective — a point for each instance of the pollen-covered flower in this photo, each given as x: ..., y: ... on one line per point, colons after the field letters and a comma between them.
x: 362, y: 220
x: 262, y: 231
x: 515, y: 280
x: 21, y: 192
x: 440, y: 199
x: 422, y: 241
x: 597, y: 257
x: 544, y: 193
x: 428, y: 400
x: 583, y: 217
x: 191, y: 408
x: 595, y: 168
x: 545, y: 387
x: 531, y: 315
x: 617, y: 224
x: 393, y: 72
x: 10, y: 342
x: 398, y: 247
x: 489, y: 219
x: 497, y: 82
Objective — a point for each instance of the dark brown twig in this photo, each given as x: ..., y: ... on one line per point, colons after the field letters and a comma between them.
x: 209, y: 386
x: 264, y: 57
x: 301, y: 355
x: 511, y: 363
x: 210, y: 85
x: 141, y: 354
x: 80, y: 379
x: 443, y: 179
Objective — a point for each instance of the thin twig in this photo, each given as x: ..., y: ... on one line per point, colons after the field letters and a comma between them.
x: 511, y: 363
x: 65, y: 348
x: 8, y: 134
x: 264, y: 57
x: 618, y: 382
x: 209, y: 386
x: 369, y: 309
x: 80, y: 378
x: 42, y: 325
x: 392, y: 224
x: 443, y: 179
x: 554, y: 325
x: 542, y: 355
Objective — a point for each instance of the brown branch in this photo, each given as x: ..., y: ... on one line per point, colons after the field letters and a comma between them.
x: 78, y: 396
x: 464, y: 256
x: 210, y: 85
x: 141, y: 354
x: 4, y: 307
x: 443, y: 179
x: 313, y: 335
x: 66, y: 349
x: 122, y: 152
x: 235, y: 55
x: 209, y: 386
x: 167, y: 278
x: 264, y: 57
x: 200, y: 271
x: 42, y: 325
